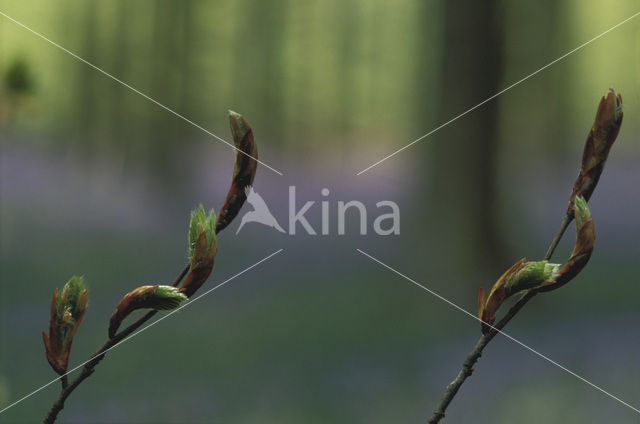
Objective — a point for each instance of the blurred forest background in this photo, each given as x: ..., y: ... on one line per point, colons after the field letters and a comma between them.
x: 97, y: 180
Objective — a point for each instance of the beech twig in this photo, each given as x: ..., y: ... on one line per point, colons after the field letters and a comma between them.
x: 202, y: 251
x: 601, y: 137
x: 473, y: 356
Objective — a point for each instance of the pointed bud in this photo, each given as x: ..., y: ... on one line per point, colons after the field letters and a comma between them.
x: 488, y: 307
x: 202, y: 250
x: 596, y: 150
x: 65, y: 315
x: 145, y: 297
x: 244, y: 170
x: 582, y: 250
x: 521, y: 276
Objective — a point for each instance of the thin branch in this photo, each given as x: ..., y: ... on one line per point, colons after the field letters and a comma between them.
x: 475, y: 354
x: 181, y: 275
x: 563, y: 227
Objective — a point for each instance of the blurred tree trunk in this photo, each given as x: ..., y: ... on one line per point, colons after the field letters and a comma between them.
x: 464, y: 153
x: 86, y: 87
x: 120, y: 119
x: 259, y: 61
x: 169, y: 84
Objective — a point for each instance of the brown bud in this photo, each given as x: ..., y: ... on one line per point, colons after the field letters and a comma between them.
x: 195, y: 278
x: 145, y: 297
x: 65, y: 315
x: 596, y: 150
x: 244, y: 170
x: 521, y: 276
x: 488, y: 307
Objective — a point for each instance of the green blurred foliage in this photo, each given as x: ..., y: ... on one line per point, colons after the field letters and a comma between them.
x: 19, y: 78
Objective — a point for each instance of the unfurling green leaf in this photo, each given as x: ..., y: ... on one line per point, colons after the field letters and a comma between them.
x: 202, y: 235
x: 541, y: 276
x: 65, y: 315
x: 521, y: 276
x: 202, y: 250
x: 145, y: 297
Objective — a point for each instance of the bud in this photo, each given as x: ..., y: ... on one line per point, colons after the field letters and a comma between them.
x: 529, y: 276
x: 65, y: 316
x: 521, y: 276
x: 244, y: 170
x: 202, y: 250
x: 585, y: 239
x: 145, y: 297
x: 596, y: 150
x: 202, y: 236
x: 541, y: 276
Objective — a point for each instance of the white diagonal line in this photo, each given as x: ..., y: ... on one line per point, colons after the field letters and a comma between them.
x: 499, y: 331
x: 498, y: 93
x: 144, y: 328
x: 138, y: 92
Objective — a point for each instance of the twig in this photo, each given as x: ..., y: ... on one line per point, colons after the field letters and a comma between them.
x: 473, y: 356
x: 202, y: 252
x: 563, y: 227
x: 95, y: 359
